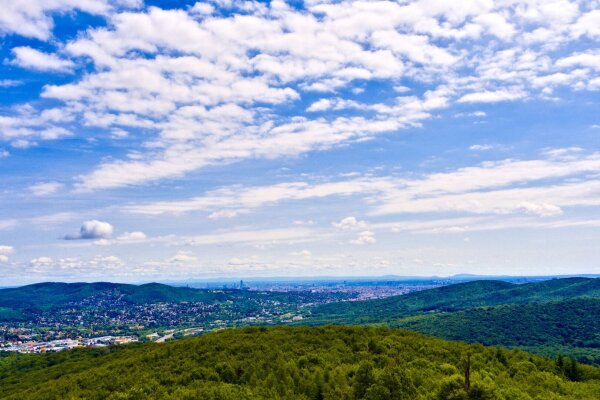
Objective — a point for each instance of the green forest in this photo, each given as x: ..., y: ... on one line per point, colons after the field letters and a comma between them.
x: 48, y: 295
x: 457, y: 297
x: 560, y: 316
x: 564, y: 327
x: 298, y: 363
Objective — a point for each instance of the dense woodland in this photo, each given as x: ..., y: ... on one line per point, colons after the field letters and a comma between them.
x: 458, y: 297
x: 297, y: 363
x: 560, y: 316
x: 564, y: 327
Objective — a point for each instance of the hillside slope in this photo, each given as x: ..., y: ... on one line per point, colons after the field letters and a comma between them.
x: 41, y: 296
x: 453, y: 298
x: 296, y: 363
x: 564, y: 327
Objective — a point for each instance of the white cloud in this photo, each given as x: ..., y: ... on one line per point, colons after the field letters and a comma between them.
x: 588, y: 24
x: 481, y: 147
x: 563, y: 178
x: 7, y: 223
x: 491, y: 96
x: 200, y: 91
x: 319, y: 105
x: 541, y: 209
x: 565, y: 152
x: 3, y: 259
x: 253, y: 237
x: 303, y: 253
x: 41, y: 261
x: 496, y: 25
x: 182, y: 257
x: 224, y: 214
x: 53, y: 219
x: 46, y: 188
x: 33, y: 18
x: 218, y: 89
x: 471, y: 114
x: 93, y: 229
x: 349, y: 223
x: 500, y: 187
x: 27, y: 57
x: 6, y: 249
x: 5, y: 83
x: 202, y: 8
x: 237, y: 198
x: 132, y: 236
x: 364, y: 237
x: 26, y: 123
x: 4, y: 153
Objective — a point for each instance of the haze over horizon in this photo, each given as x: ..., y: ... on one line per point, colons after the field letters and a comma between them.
x: 161, y: 140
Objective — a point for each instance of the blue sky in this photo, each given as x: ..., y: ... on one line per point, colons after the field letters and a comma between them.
x: 174, y: 140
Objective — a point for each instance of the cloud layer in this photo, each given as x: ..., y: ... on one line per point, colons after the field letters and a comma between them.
x: 314, y: 137
x: 214, y: 84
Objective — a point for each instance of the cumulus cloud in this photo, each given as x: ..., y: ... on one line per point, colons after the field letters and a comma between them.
x: 93, y: 229
x: 26, y: 123
x: 349, y: 223
x: 183, y: 257
x: 202, y: 8
x: 6, y: 249
x: 41, y: 261
x: 33, y: 18
x: 27, y: 57
x: 364, y: 237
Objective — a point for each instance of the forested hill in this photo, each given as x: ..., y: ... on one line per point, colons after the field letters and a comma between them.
x: 326, y: 363
x: 53, y: 294
x: 563, y: 327
x: 456, y: 297
x: 560, y: 316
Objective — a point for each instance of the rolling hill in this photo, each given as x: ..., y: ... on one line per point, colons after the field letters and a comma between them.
x: 560, y: 316
x: 564, y: 327
x: 454, y: 298
x: 54, y: 294
x: 296, y: 363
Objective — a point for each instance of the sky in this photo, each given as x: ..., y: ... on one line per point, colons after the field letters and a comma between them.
x: 173, y: 140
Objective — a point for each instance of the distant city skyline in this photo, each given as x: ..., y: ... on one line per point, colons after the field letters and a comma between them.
x: 171, y: 141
